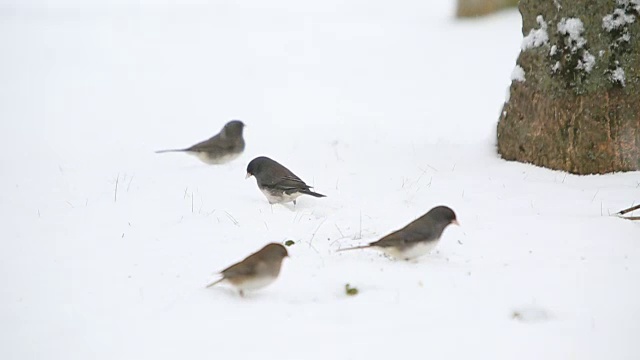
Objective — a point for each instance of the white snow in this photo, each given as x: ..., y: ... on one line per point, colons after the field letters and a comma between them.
x: 587, y: 62
x: 573, y: 29
x: 107, y: 246
x: 531, y: 314
x: 617, y: 20
x: 518, y: 74
x: 630, y: 4
x: 553, y: 50
x: 618, y: 76
x: 556, y: 67
x: 536, y: 37
x: 557, y: 4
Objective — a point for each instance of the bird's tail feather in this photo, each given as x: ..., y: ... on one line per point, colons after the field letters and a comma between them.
x: 215, y: 282
x: 309, y: 192
x: 170, y: 150
x: 355, y: 248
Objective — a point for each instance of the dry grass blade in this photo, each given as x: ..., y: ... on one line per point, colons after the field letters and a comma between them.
x: 628, y: 210
x: 631, y: 217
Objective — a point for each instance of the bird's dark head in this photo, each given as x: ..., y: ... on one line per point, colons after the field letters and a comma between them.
x: 257, y: 165
x: 443, y: 215
x: 233, y: 128
x: 275, y: 251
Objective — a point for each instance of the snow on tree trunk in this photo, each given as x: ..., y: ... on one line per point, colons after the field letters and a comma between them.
x: 471, y: 8
x: 574, y: 102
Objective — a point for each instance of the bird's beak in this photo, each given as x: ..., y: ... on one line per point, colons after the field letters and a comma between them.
x: 455, y: 222
x: 248, y: 176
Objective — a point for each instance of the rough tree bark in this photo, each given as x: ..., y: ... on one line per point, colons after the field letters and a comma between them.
x: 574, y: 102
x: 471, y: 8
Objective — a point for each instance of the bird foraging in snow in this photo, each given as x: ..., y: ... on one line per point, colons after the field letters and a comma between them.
x: 417, y: 238
x: 223, y: 147
x: 255, y: 271
x: 277, y: 182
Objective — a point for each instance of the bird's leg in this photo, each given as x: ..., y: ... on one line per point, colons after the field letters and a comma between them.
x: 294, y: 203
x: 241, y: 293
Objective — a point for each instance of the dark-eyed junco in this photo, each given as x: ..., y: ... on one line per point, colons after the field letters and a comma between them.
x: 277, y: 182
x: 417, y: 238
x: 223, y: 147
x: 257, y: 270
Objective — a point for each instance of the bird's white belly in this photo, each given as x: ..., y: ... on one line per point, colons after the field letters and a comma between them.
x: 413, y: 252
x: 278, y: 199
x: 206, y: 158
x: 255, y: 283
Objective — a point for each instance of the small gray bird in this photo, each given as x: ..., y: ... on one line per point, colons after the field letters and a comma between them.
x: 223, y: 147
x: 277, y: 182
x: 257, y: 270
x: 417, y: 238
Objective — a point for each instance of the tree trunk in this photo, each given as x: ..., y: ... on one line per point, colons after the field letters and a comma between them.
x: 471, y: 8
x: 574, y: 102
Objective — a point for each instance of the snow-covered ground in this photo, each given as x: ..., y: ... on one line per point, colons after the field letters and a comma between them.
x: 389, y: 108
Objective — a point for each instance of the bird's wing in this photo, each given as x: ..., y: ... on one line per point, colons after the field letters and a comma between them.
x: 214, y: 143
x: 405, y: 236
x: 290, y: 184
x: 246, y: 267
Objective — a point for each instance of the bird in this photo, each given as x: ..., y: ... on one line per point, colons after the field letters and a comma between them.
x: 256, y: 270
x: 277, y: 182
x: 417, y: 238
x: 221, y: 148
